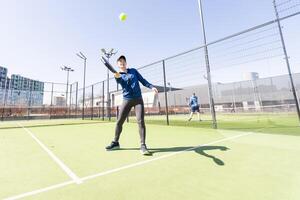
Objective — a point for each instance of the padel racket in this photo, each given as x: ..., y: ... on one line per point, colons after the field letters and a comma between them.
x: 108, y: 65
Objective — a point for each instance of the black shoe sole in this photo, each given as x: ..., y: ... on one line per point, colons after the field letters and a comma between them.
x: 114, y: 148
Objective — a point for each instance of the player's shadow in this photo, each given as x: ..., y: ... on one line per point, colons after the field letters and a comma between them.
x: 199, y: 150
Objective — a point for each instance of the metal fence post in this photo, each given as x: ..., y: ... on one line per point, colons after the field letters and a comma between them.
x: 11, y: 94
x: 211, y: 99
x: 165, y: 91
x: 108, y: 98
x: 117, y: 110
x: 29, y: 103
x: 83, y: 100
x: 70, y: 102
x: 51, y: 103
x: 233, y: 99
x: 6, y: 91
x: 103, y: 87
x: 287, y: 60
x: 99, y: 105
x: 76, y: 100
x: 92, y: 116
x: 3, y: 99
x: 109, y: 107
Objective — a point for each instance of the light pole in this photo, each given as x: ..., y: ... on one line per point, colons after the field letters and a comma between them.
x: 108, y: 55
x: 80, y: 55
x: 68, y: 70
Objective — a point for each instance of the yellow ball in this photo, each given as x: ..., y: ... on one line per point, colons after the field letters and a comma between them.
x: 123, y: 17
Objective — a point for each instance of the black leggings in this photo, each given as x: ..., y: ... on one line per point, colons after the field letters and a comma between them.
x: 138, y: 105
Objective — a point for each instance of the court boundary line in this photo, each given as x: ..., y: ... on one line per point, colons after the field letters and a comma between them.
x: 89, y: 177
x: 59, y: 162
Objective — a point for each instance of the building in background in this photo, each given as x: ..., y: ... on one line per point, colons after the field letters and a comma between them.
x: 250, y: 76
x: 3, y: 77
x: 253, y: 77
x: 21, y: 91
x: 252, y: 94
x: 59, y: 101
x: 3, y: 83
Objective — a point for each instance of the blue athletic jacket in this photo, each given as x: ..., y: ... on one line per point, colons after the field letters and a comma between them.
x: 130, y: 83
x: 193, y: 101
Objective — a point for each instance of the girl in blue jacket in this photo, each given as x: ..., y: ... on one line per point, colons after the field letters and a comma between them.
x: 129, y: 79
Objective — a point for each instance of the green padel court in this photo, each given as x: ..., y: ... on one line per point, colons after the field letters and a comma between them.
x: 66, y: 159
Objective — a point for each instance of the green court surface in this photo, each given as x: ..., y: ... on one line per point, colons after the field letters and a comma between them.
x: 65, y: 159
x: 275, y: 123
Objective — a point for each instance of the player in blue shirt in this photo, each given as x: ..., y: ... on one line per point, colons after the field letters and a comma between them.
x: 129, y: 79
x: 194, y: 106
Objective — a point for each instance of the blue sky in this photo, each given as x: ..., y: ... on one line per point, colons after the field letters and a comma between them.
x: 39, y: 36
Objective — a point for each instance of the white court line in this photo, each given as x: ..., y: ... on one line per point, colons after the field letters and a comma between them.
x: 120, y: 168
x: 64, y: 167
x: 52, y: 187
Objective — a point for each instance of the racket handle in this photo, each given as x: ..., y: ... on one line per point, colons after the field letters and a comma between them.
x: 108, y: 65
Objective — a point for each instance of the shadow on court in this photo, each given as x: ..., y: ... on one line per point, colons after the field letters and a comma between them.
x: 200, y: 150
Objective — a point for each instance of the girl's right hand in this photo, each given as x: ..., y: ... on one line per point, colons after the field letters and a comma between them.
x: 117, y: 75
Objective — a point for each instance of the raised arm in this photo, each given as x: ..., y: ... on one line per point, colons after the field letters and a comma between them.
x: 118, y: 77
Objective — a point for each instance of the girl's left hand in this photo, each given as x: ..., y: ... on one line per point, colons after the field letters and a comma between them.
x: 155, y: 90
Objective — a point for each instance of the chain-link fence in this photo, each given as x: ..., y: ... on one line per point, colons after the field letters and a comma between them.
x: 248, y: 76
x: 27, y: 99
